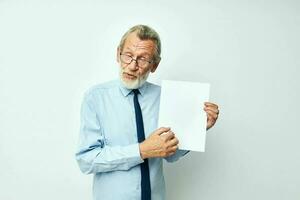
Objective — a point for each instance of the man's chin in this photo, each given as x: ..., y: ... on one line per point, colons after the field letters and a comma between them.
x: 134, y: 83
x: 130, y: 84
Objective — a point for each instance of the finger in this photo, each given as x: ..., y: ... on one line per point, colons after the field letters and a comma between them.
x: 173, y: 142
x: 211, y: 108
x: 211, y: 120
x: 211, y: 114
x: 162, y: 130
x: 173, y: 148
x: 169, y: 135
x: 215, y: 110
x: 211, y: 104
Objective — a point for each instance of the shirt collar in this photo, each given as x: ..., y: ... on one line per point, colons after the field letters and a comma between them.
x: 125, y: 91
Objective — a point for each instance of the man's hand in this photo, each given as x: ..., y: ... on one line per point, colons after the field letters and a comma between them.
x: 212, y: 112
x: 161, y: 143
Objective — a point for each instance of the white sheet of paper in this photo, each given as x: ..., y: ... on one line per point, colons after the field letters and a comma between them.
x: 181, y: 108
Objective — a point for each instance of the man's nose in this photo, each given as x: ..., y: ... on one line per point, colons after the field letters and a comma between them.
x: 133, y: 65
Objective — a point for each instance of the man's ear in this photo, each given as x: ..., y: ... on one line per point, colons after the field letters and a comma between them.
x: 154, y: 67
x: 118, y: 54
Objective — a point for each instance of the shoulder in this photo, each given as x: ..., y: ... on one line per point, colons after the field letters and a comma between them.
x: 153, y: 86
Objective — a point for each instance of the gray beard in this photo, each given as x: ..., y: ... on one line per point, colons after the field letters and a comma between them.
x: 137, y: 83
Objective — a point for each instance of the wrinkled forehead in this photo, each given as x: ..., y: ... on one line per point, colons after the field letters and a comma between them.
x: 134, y: 44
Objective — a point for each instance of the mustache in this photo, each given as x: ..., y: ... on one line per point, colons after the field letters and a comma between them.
x: 132, y: 74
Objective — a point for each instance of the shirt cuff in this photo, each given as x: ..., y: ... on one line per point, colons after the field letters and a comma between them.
x: 134, y: 151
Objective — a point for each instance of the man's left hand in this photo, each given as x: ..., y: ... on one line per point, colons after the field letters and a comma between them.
x: 212, y: 112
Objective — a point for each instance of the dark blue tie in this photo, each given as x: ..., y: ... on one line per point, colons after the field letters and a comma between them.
x: 145, y: 183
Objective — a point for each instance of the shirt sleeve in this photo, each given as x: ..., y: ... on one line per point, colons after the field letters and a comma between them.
x: 93, y: 155
x: 179, y: 153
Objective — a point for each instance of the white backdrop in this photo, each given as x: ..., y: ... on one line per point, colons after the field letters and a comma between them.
x: 52, y: 51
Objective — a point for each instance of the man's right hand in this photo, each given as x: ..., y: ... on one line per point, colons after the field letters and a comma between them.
x: 159, y: 144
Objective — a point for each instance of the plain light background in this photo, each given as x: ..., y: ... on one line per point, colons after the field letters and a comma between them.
x: 52, y: 51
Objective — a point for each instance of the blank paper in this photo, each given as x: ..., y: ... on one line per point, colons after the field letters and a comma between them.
x: 181, y: 108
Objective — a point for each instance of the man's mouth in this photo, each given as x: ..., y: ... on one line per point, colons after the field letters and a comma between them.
x: 129, y: 76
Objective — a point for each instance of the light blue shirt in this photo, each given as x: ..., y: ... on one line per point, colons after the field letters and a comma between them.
x: 108, y: 145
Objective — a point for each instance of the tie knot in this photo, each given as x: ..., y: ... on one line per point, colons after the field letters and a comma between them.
x: 136, y: 91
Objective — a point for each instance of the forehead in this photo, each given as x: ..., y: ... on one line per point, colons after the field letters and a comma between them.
x: 135, y: 44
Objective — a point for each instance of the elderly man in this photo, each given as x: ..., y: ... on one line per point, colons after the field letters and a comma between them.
x: 119, y: 141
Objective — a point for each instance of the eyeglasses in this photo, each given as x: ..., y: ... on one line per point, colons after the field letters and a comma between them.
x: 141, y: 62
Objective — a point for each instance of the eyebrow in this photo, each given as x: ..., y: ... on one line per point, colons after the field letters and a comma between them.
x: 128, y: 51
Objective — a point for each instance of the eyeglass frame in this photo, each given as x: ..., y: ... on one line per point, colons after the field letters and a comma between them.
x: 136, y: 60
